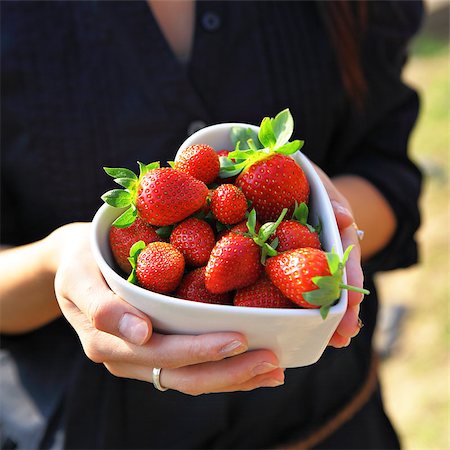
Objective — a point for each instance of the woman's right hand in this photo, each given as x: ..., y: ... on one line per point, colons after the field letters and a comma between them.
x: 116, y: 334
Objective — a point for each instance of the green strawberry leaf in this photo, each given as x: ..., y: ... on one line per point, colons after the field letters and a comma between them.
x: 118, y: 172
x: 318, y: 228
x: 334, y: 263
x: 324, y: 310
x: 301, y: 213
x: 251, y: 222
x: 274, y: 243
x: 266, y: 134
x: 290, y: 148
x: 126, y: 218
x: 144, y: 168
x: 229, y: 168
x: 118, y: 198
x: 251, y: 145
x: 240, y: 136
x: 127, y: 183
x: 239, y: 154
x: 346, y: 254
x: 135, y: 249
x: 283, y: 127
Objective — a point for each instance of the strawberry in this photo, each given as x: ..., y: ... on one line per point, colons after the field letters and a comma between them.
x: 160, y: 196
x: 223, y: 152
x: 192, y: 287
x: 195, y: 239
x: 270, y: 178
x: 122, y: 239
x: 158, y: 266
x: 235, y: 262
x: 228, y: 204
x: 200, y: 161
x: 236, y: 259
x: 310, y: 277
x: 262, y: 294
x: 292, y: 234
x: 272, y: 184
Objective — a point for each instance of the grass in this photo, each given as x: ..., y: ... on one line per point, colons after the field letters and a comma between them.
x: 415, y: 377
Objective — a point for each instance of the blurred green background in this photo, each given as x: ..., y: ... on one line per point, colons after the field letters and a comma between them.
x: 413, y: 335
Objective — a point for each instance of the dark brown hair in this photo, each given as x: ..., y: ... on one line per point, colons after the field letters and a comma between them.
x: 346, y: 22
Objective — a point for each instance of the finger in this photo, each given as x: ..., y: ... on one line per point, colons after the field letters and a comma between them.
x: 83, y: 286
x: 240, y: 372
x: 350, y: 325
x: 344, y: 217
x: 169, y: 351
x: 188, y: 383
x: 354, y: 272
x: 339, y: 341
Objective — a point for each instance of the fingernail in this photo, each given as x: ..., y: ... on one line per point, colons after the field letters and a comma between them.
x: 341, y: 209
x: 133, y: 329
x: 271, y: 382
x: 233, y: 348
x: 263, y: 367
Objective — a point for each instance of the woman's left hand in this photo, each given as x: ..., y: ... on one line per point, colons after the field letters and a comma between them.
x: 350, y: 324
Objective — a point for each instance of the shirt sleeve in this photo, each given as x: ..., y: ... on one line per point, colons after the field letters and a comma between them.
x: 373, y: 142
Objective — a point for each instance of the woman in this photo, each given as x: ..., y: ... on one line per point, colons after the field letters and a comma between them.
x: 89, y: 84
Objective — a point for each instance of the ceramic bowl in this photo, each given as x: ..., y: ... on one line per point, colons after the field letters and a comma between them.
x: 297, y: 336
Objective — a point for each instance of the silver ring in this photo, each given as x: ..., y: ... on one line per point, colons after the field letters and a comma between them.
x: 359, y: 233
x: 155, y: 377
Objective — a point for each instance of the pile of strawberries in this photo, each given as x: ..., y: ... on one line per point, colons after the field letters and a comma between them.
x: 226, y: 226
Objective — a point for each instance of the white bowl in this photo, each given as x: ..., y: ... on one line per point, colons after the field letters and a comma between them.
x: 297, y: 336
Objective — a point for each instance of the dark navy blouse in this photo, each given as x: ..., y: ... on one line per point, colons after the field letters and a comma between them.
x: 93, y: 84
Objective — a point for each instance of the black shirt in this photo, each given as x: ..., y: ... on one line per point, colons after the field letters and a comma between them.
x: 93, y: 84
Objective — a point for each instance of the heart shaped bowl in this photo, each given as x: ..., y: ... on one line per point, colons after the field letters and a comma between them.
x: 297, y: 336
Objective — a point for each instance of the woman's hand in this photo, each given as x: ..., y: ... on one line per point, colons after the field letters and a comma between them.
x: 350, y: 324
x: 116, y: 334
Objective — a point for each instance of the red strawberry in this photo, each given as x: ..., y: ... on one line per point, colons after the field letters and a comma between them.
x: 166, y: 196
x: 292, y: 234
x: 272, y: 184
x: 223, y: 152
x: 158, y: 267
x: 235, y: 262
x: 161, y: 196
x: 200, y: 161
x: 236, y: 259
x: 195, y: 239
x: 192, y: 287
x: 122, y: 239
x: 309, y: 277
x: 262, y: 294
x: 297, y: 233
x: 268, y: 176
x: 228, y: 204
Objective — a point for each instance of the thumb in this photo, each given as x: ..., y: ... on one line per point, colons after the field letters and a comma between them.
x: 105, y: 310
x: 111, y: 314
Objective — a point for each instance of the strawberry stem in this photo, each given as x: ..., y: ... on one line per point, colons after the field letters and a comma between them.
x: 354, y: 289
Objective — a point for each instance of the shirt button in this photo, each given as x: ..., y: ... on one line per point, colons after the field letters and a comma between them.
x: 211, y: 21
x: 195, y: 126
